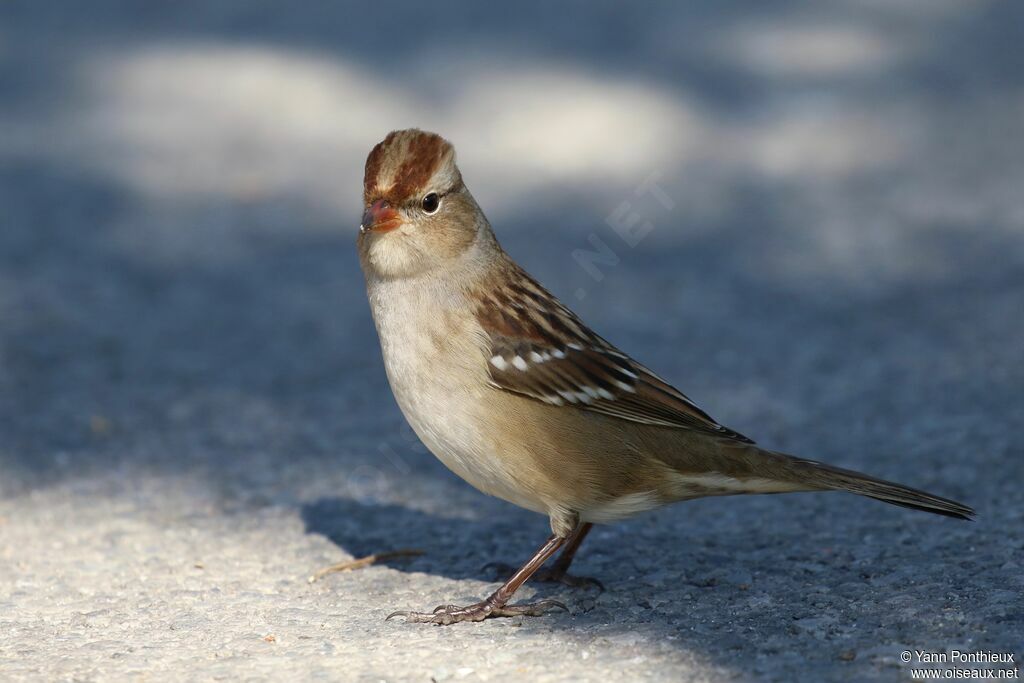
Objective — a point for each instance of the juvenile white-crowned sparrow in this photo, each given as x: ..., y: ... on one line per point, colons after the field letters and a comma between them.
x: 510, y: 390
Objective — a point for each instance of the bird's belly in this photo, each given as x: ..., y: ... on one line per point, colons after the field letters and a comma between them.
x: 452, y: 427
x: 444, y: 401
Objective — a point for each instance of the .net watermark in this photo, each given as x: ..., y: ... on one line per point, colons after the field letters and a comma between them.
x: 961, y: 665
x: 628, y: 223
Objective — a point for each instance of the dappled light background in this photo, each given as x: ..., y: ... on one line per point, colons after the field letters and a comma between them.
x: 189, y: 376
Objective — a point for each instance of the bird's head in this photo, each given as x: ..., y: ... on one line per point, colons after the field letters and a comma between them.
x: 417, y: 213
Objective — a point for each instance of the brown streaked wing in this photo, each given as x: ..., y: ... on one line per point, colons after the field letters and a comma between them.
x: 541, y: 350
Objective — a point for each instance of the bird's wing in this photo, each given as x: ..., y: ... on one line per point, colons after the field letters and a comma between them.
x: 540, y: 349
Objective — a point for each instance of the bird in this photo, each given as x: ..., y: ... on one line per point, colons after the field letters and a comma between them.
x: 512, y: 392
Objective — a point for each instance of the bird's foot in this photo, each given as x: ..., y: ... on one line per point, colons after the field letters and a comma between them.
x: 548, y: 575
x: 443, y: 615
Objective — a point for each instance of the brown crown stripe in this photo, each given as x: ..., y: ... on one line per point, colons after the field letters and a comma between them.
x: 422, y: 158
x: 414, y: 154
x: 374, y: 162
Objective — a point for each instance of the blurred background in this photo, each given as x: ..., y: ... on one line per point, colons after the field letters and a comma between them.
x: 189, y: 376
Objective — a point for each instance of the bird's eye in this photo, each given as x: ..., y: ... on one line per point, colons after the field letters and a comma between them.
x: 431, y: 203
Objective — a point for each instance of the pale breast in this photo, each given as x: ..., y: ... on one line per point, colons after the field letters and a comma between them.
x: 436, y: 365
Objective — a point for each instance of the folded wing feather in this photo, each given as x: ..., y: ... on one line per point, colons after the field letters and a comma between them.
x: 541, y: 350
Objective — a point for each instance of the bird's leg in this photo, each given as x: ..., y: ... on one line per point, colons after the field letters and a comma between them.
x: 496, y: 605
x: 565, y: 558
x: 558, y: 572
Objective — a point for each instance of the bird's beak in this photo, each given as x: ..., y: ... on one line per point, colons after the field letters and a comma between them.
x: 380, y: 217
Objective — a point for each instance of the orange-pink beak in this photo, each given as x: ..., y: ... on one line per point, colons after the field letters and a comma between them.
x: 380, y: 217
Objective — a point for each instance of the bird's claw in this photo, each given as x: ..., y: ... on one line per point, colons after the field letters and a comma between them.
x: 443, y: 615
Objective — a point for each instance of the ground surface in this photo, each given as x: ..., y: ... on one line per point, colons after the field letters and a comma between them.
x: 194, y: 416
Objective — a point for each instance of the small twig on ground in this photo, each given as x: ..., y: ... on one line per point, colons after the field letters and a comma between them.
x: 363, y: 562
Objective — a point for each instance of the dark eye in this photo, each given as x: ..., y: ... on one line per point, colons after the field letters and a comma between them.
x: 431, y: 203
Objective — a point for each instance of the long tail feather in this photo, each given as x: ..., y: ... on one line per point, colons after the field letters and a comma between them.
x: 828, y: 477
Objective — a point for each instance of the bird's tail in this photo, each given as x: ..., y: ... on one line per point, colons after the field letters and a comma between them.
x: 826, y: 477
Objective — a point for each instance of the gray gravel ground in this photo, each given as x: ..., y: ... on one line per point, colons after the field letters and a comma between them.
x: 194, y: 416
